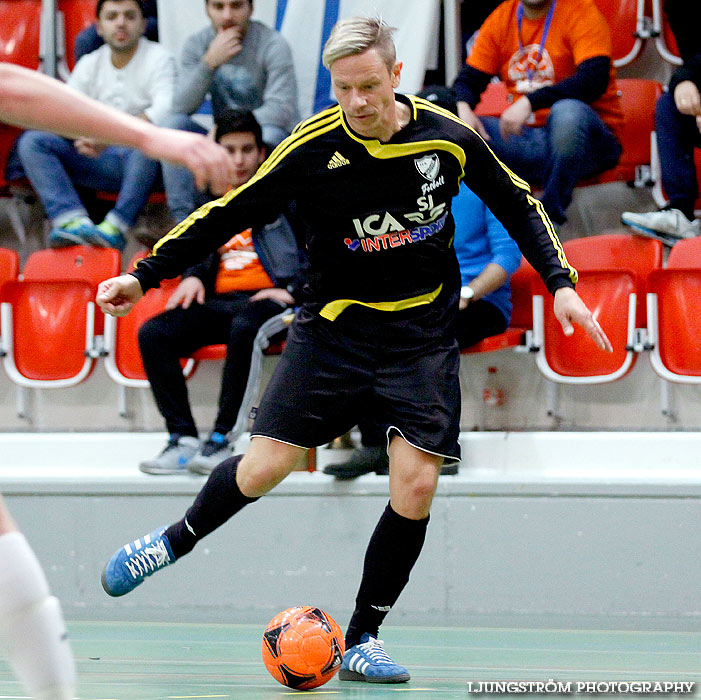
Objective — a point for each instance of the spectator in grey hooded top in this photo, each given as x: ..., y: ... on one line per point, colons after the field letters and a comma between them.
x: 242, y: 64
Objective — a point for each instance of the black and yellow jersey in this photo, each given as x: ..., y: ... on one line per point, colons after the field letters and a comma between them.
x: 376, y: 216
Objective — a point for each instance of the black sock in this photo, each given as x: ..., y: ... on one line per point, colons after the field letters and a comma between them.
x: 391, y: 554
x: 219, y: 499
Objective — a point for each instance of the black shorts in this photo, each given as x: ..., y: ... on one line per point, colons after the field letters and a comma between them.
x: 327, y: 381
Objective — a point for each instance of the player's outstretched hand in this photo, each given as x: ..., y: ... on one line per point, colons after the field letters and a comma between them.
x: 117, y: 295
x: 209, y: 162
x: 570, y: 309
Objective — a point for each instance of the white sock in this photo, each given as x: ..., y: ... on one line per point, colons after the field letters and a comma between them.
x: 32, y: 629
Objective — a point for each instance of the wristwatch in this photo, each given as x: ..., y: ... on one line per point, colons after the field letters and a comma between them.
x: 467, y: 293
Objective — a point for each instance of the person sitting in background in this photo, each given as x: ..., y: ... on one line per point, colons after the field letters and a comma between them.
x: 129, y: 73
x: 678, y: 126
x: 243, y: 65
x: 224, y: 299
x: 555, y: 60
x: 89, y: 39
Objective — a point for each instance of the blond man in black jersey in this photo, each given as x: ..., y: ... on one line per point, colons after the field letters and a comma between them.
x: 372, y: 180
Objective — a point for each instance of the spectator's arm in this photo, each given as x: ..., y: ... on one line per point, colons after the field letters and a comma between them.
x: 588, y: 83
x: 205, y: 271
x: 280, y: 93
x: 691, y: 70
x: 194, y: 80
x: 162, y: 91
x: 470, y: 84
x: 505, y: 251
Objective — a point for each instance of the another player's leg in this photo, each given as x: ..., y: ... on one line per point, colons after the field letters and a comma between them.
x: 235, y: 483
x: 32, y: 629
x: 391, y: 554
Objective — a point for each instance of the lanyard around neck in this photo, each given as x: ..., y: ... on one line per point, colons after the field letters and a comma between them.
x: 546, y: 29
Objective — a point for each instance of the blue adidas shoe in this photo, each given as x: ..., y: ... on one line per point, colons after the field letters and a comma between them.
x: 78, y: 231
x: 369, y: 662
x: 107, y: 235
x: 135, y: 561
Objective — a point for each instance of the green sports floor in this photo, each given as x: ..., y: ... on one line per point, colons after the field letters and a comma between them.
x: 132, y: 661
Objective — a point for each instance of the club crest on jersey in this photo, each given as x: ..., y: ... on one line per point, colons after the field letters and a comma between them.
x: 428, y: 166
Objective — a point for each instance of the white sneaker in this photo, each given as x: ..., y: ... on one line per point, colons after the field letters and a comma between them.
x: 174, y: 458
x: 211, y: 454
x: 668, y: 222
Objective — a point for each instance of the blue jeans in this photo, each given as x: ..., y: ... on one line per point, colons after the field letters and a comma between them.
x: 179, y: 184
x: 677, y: 136
x: 573, y: 144
x: 54, y: 168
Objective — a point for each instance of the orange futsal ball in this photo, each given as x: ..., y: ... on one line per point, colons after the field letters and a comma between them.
x: 303, y: 647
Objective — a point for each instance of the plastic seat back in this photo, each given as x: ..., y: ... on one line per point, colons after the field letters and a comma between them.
x: 613, y: 269
x: 675, y: 324
x: 618, y: 251
x: 87, y: 263
x: 75, y: 262
x: 678, y: 323
x: 9, y: 269
x: 125, y: 356
x: 625, y: 19
x: 20, y: 23
x: 76, y: 16
x: 47, y: 328
x: 607, y: 294
x: 494, y: 100
x: 638, y: 99
x: 9, y: 265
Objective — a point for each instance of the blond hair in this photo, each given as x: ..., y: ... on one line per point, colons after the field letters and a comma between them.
x: 358, y: 34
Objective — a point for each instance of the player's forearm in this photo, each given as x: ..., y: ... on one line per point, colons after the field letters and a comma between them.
x: 23, y: 96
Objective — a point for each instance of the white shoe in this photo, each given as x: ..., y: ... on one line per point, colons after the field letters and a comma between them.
x: 174, y: 459
x: 211, y: 454
x: 668, y: 222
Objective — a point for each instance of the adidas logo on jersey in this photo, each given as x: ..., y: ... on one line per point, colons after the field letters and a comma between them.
x: 337, y: 161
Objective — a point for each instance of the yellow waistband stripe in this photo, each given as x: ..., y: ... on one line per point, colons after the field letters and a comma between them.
x: 334, y: 309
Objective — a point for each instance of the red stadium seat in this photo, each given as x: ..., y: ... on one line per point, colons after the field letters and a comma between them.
x: 49, y: 324
x: 123, y: 360
x: 9, y: 270
x: 494, y: 100
x: 613, y: 269
x: 628, y: 24
x: 73, y: 17
x: 674, y: 323
x: 75, y: 263
x: 20, y: 23
x: 9, y: 265
x: 638, y: 99
x: 616, y: 251
x: 47, y: 328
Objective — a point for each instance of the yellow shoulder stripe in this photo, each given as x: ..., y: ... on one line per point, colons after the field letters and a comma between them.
x: 306, y: 132
x: 315, y: 117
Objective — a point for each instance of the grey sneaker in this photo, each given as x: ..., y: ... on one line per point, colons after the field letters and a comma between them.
x: 211, y: 454
x: 668, y: 222
x: 174, y: 458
